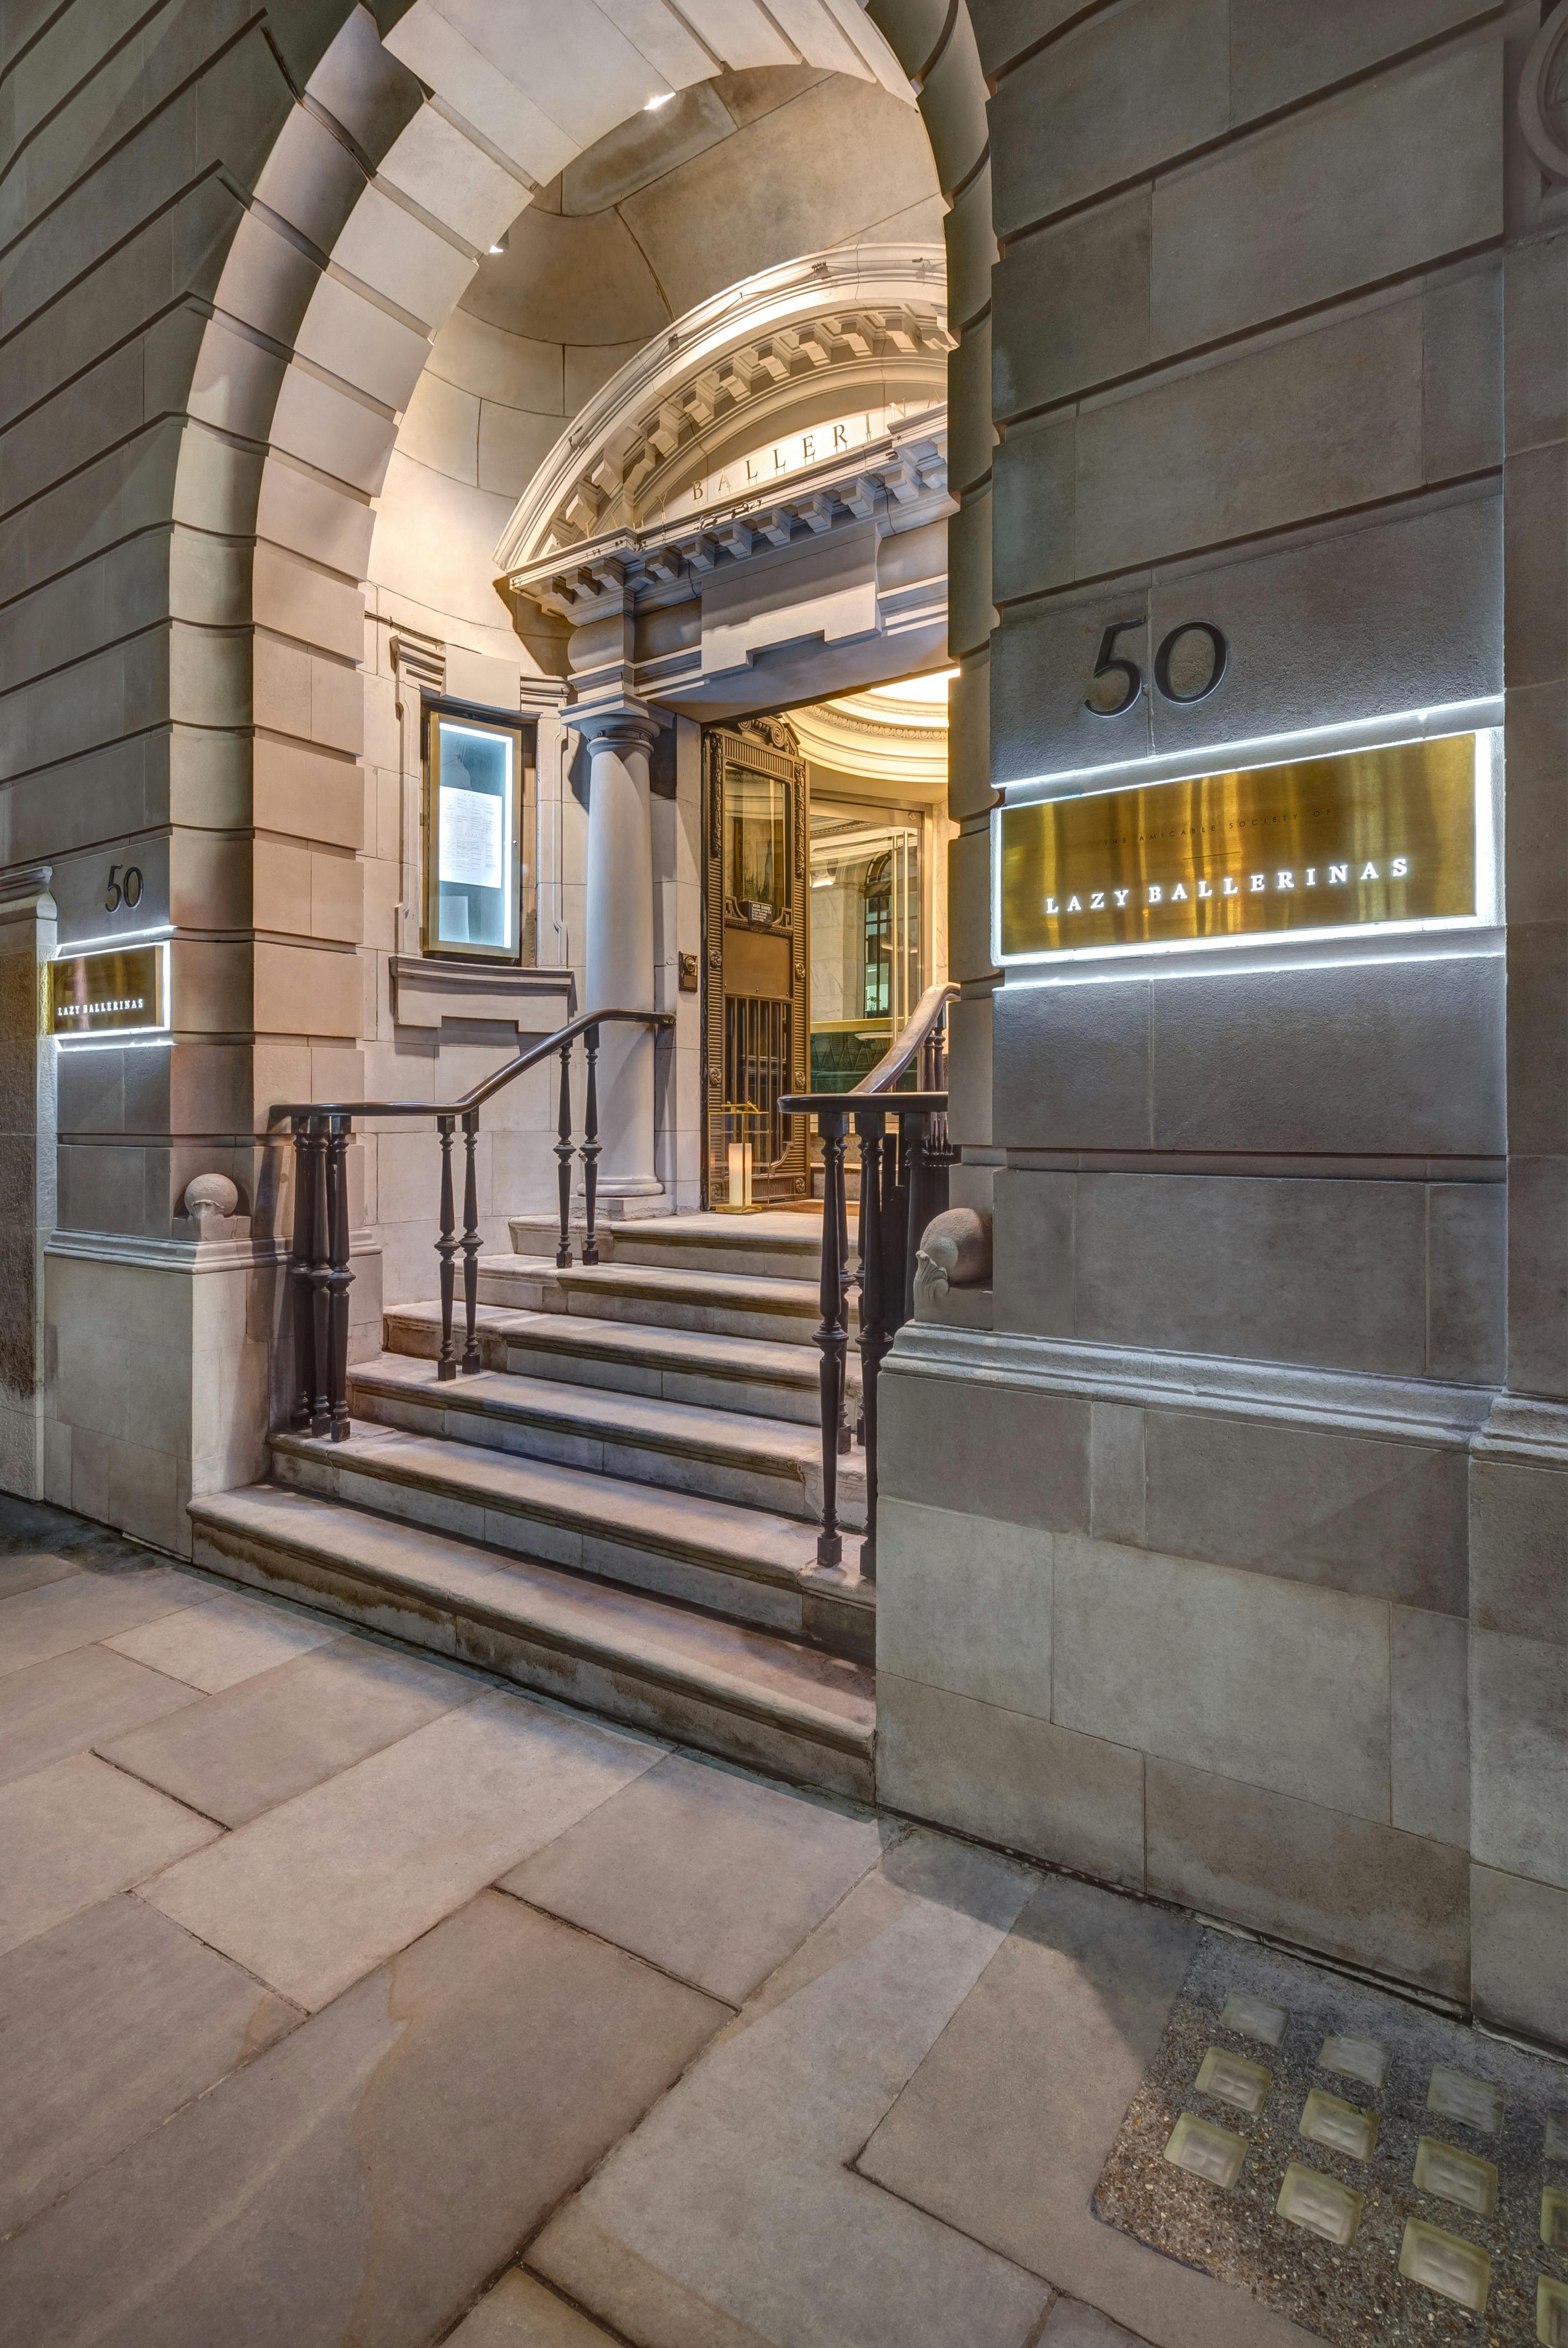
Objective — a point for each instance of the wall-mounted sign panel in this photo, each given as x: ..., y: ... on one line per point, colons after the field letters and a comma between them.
x: 1356, y: 841
x: 478, y: 884
x: 117, y: 991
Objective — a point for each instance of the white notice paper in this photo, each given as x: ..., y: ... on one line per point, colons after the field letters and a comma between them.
x: 473, y: 850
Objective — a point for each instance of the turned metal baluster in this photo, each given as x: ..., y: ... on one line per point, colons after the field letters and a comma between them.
x: 300, y: 1274
x: 591, y: 1145
x: 833, y: 1336
x: 471, y: 1241
x: 339, y: 1278
x: 563, y: 1154
x: 319, y: 1276
x: 446, y: 1248
x: 876, y: 1338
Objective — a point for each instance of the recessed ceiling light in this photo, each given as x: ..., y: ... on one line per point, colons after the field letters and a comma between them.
x: 654, y: 103
x: 501, y: 242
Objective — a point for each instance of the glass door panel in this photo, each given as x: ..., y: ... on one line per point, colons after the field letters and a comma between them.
x: 866, y: 937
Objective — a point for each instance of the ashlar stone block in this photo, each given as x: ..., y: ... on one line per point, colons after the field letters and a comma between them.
x: 1252, y: 1678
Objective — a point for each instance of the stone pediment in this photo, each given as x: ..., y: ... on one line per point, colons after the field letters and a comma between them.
x: 827, y: 356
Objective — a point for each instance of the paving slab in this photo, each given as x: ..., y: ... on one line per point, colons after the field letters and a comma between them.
x: 76, y: 1832
x: 519, y: 2313
x: 52, y: 1619
x: 321, y: 1889
x: 731, y: 2216
x: 30, y: 1569
x: 234, y: 1755
x: 224, y: 1641
x: 76, y: 1700
x: 108, y: 2025
x: 1073, y: 2325
x: 708, y: 1874
x: 363, y: 2180
x: 1005, y: 2127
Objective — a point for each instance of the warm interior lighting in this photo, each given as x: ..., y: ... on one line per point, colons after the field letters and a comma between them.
x: 933, y: 687
x: 740, y: 1163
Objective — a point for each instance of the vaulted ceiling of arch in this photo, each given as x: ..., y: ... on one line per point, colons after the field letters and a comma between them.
x: 737, y: 172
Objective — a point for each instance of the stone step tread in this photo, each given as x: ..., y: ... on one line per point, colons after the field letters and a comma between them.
x: 777, y: 1680
x: 721, y: 1534
x: 766, y: 1446
x: 696, y: 1352
x: 750, y: 1290
x: 691, y: 1350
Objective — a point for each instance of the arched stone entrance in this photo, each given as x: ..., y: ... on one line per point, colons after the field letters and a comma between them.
x: 378, y: 165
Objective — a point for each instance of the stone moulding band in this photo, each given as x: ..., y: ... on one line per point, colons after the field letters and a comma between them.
x: 1345, y: 1402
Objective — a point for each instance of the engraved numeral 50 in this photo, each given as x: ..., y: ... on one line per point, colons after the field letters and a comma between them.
x: 1110, y: 662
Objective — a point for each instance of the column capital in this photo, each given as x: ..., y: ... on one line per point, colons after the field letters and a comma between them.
x: 625, y: 726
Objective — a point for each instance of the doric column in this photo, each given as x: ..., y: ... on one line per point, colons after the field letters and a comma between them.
x: 620, y: 955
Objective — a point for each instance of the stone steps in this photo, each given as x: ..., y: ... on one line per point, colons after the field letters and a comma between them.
x: 748, y: 1564
x: 747, y: 1374
x: 749, y: 1695
x: 715, y: 1304
x: 721, y: 1454
x: 775, y: 1245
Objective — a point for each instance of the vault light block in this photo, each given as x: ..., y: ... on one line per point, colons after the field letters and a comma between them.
x: 1460, y: 2177
x: 1557, y: 2136
x: 1207, y: 2151
x: 1357, y: 2058
x: 1445, y: 2264
x: 1320, y: 2204
x: 1339, y: 2126
x: 1233, y: 2079
x: 1554, y: 2219
x: 1254, y: 2017
x: 1458, y: 2097
x: 1551, y: 2312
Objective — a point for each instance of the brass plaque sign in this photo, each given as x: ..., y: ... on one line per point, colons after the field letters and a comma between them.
x: 1366, y: 836
x: 112, y: 992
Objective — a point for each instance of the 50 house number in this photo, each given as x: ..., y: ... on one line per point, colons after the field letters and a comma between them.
x: 1110, y: 662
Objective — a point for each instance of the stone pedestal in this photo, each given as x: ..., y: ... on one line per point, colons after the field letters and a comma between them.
x: 620, y: 953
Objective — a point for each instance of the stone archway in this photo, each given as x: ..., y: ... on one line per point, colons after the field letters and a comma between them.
x: 342, y: 190
x: 409, y: 152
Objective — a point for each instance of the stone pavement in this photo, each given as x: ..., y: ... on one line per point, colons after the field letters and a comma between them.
x: 348, y: 2000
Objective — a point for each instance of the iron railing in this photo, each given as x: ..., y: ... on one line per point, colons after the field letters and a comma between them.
x: 903, y: 1184
x: 319, y: 1259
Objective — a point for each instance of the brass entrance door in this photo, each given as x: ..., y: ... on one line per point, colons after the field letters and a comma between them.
x: 755, y: 899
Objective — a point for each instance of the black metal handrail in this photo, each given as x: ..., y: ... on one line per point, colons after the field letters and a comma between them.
x: 319, y: 1257
x: 903, y: 1184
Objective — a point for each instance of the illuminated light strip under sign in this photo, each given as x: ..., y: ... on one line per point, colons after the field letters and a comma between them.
x: 1386, y: 837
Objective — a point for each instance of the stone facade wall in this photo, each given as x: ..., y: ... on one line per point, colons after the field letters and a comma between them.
x: 1232, y: 1565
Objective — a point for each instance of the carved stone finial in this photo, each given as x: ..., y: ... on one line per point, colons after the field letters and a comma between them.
x: 955, y: 1251
x: 210, y: 1204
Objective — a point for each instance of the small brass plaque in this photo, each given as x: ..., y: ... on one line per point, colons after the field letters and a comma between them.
x: 1368, y: 836
x: 112, y: 992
